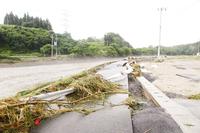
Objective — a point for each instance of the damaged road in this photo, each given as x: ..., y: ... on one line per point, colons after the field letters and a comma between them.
x: 147, y: 119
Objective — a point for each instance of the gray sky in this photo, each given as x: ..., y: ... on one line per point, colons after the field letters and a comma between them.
x: 137, y: 21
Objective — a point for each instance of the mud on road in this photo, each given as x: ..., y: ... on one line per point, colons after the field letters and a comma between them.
x: 179, y: 76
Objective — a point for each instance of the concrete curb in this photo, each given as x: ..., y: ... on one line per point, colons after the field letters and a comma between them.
x: 186, y: 120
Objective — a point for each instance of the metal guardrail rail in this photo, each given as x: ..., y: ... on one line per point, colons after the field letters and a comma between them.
x: 53, y: 95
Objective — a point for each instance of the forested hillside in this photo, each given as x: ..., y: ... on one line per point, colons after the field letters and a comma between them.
x: 20, y: 39
x: 27, y: 21
x: 30, y: 34
x: 117, y: 46
x: 185, y: 49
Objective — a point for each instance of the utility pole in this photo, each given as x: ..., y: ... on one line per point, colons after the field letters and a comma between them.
x: 56, y: 44
x: 52, y: 45
x: 159, y: 43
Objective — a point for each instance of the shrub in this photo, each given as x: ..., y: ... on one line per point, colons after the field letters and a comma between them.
x: 46, y: 50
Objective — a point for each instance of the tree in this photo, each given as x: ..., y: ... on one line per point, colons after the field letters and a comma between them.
x: 108, y: 39
x: 113, y: 38
x: 27, y: 21
x: 22, y: 39
x: 110, y: 51
x: 48, y: 25
x: 6, y: 19
x: 65, y: 43
x: 46, y: 50
x: 10, y: 19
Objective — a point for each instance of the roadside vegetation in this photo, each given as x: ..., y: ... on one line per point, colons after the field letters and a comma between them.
x: 18, y: 40
x: 32, y: 36
x: 9, y: 59
x: 27, y: 35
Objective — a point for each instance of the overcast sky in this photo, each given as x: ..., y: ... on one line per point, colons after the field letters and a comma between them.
x: 137, y: 21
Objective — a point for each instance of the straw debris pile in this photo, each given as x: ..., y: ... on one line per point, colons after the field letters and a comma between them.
x: 18, y: 114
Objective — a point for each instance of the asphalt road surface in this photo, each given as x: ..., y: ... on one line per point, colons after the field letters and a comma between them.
x: 15, y: 79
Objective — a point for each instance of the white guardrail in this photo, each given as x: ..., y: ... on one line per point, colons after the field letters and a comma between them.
x: 53, y: 95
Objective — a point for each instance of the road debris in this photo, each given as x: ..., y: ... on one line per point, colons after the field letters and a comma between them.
x: 195, y: 97
x: 18, y: 116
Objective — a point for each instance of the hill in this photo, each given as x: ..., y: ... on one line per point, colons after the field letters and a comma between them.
x: 184, y: 49
x: 19, y: 39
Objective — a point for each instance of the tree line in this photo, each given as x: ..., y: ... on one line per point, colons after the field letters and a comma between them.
x: 18, y: 39
x: 27, y: 21
x: 184, y: 49
x: 33, y: 34
x: 91, y: 46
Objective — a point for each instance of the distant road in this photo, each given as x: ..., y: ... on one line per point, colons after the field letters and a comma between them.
x: 15, y: 79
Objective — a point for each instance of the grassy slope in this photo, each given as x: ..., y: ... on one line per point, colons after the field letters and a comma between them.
x: 8, y: 59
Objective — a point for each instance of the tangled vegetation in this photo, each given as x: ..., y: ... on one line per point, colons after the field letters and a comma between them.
x: 18, y: 114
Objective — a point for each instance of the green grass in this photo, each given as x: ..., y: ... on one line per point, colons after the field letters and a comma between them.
x: 8, y: 56
x: 8, y: 59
